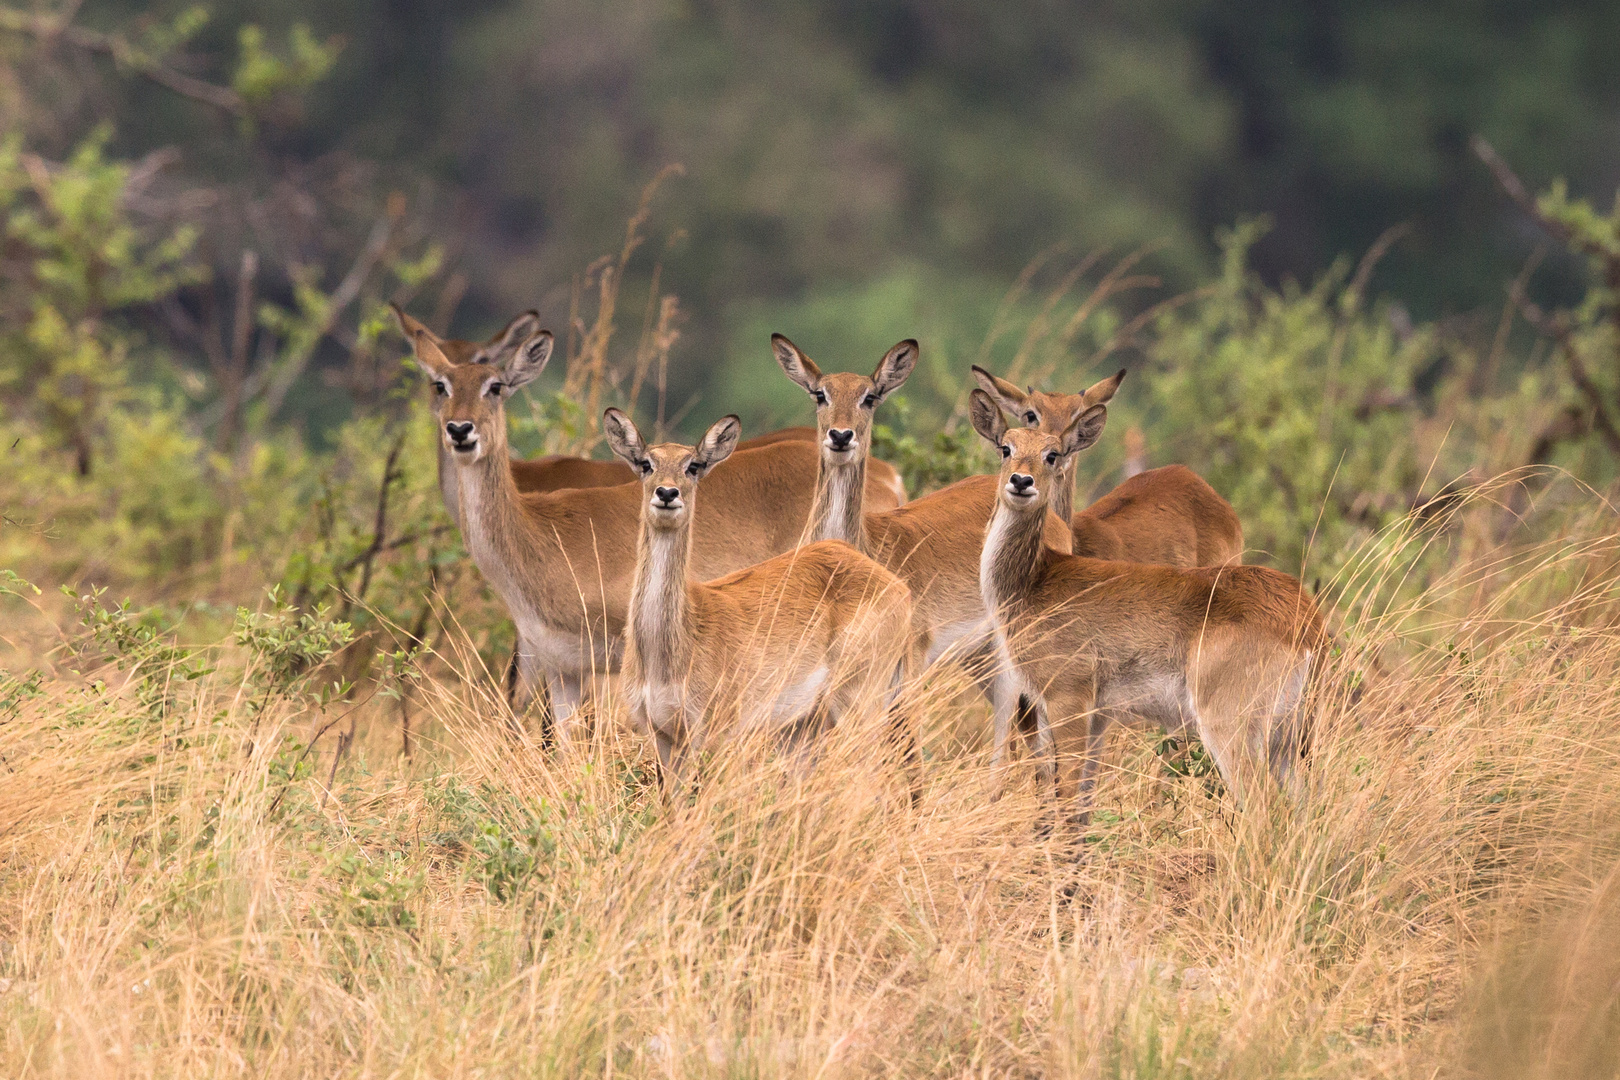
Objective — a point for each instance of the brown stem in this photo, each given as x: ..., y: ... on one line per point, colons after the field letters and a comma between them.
x: 380, y: 523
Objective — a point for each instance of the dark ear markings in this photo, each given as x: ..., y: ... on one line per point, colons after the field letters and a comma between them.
x: 896, y: 367
x: 529, y: 360
x: 985, y: 414
x: 623, y: 438
x: 1000, y: 390
x: 797, y: 366
x: 1085, y: 429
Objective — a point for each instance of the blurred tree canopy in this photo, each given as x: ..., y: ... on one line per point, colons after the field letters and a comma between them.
x: 839, y: 146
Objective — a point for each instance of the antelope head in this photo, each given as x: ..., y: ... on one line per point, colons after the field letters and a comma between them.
x: 845, y: 401
x: 1032, y: 461
x: 669, y: 472
x: 493, y: 351
x: 469, y: 399
x: 1051, y: 413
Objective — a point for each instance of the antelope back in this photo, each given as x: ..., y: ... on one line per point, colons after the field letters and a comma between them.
x: 1167, y: 516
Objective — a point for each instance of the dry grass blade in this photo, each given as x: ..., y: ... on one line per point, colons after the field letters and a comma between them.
x: 1439, y: 904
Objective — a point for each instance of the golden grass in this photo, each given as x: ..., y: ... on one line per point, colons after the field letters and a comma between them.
x: 179, y: 897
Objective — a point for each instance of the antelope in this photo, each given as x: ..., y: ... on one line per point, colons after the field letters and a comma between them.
x: 1224, y: 651
x: 796, y: 639
x: 553, y: 472
x: 931, y: 543
x: 562, y: 562
x: 1168, y: 515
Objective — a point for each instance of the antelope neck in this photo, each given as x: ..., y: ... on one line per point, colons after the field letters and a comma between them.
x: 1010, y: 557
x: 840, y: 511
x: 449, y: 485
x: 658, y: 599
x: 1063, y: 493
x: 487, y: 510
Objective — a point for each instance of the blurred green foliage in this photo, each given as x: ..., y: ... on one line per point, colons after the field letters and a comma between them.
x: 203, y: 388
x: 75, y: 263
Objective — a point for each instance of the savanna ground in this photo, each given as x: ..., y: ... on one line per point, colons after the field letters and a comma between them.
x: 196, y: 881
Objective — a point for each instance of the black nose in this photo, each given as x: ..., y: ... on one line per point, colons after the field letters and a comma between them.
x: 1021, y: 482
x: 667, y: 495
x: 840, y: 437
x: 458, y: 430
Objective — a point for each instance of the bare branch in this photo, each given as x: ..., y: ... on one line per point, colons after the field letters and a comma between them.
x: 346, y: 293
x: 1515, y: 189
x: 46, y: 29
x: 1557, y: 328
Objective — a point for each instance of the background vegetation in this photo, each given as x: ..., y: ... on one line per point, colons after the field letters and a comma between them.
x: 1359, y: 260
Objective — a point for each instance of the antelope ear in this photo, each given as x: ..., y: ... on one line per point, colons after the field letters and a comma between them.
x: 529, y: 361
x: 987, y: 417
x: 1001, y: 391
x: 407, y: 325
x: 623, y: 438
x: 718, y: 442
x: 799, y: 367
x: 895, y: 367
x: 429, y: 357
x: 499, y: 347
x: 1101, y: 393
x: 1084, y: 429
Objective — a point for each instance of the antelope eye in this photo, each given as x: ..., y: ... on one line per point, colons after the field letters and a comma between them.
x: 869, y: 401
x: 820, y: 396
x: 1031, y: 418
x: 495, y: 389
x: 1051, y: 457
x: 693, y: 469
x: 645, y: 466
x: 441, y: 389
x: 1006, y: 451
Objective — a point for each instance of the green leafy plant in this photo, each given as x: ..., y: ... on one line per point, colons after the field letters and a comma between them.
x: 76, y: 261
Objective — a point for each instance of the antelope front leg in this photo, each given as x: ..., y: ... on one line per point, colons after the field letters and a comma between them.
x: 671, y: 765
x: 524, y: 683
x: 1004, y: 699
x: 1091, y: 757
x: 566, y: 690
x: 1069, y: 718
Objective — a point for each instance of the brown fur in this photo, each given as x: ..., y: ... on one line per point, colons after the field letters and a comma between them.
x: 744, y: 650
x: 563, y: 561
x: 553, y: 472
x: 1168, y: 515
x: 1225, y: 651
x: 933, y: 542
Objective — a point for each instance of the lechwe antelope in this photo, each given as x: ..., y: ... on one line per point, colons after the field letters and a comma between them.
x: 1168, y: 515
x: 931, y: 543
x: 562, y: 561
x: 1224, y: 651
x: 792, y: 642
x: 556, y: 471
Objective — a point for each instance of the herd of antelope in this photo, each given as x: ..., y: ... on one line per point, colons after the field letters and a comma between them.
x: 803, y: 583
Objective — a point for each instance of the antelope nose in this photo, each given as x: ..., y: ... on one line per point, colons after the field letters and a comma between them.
x: 840, y: 438
x: 459, y: 430
x: 1021, y: 482
x: 667, y: 495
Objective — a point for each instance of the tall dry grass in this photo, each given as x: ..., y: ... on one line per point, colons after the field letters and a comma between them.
x: 189, y: 893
